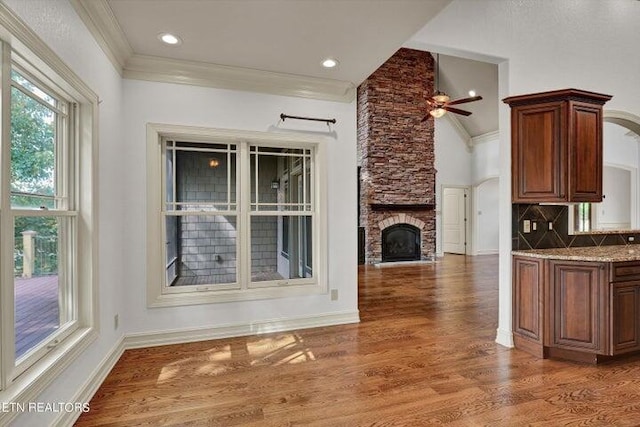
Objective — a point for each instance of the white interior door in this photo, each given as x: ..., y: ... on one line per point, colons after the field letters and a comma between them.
x: 454, y: 220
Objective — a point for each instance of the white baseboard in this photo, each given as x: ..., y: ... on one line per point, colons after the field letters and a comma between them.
x: 504, y: 338
x: 488, y: 252
x: 181, y: 336
x: 91, y: 385
x: 152, y: 339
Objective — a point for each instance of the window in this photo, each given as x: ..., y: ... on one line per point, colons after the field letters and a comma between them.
x: 240, y: 215
x: 46, y: 219
x: 582, y: 218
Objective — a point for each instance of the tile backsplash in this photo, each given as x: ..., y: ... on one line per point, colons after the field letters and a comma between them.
x: 542, y: 236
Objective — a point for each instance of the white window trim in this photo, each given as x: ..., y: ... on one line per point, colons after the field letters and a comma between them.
x: 19, y: 37
x: 154, y: 269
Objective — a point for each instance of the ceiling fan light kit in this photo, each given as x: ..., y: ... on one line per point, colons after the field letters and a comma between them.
x: 438, y: 112
x: 440, y: 102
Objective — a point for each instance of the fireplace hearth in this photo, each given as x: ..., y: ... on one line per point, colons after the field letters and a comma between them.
x: 401, y: 242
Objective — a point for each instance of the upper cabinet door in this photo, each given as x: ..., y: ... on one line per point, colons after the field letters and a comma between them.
x: 538, y: 153
x: 585, y: 152
x: 556, y: 146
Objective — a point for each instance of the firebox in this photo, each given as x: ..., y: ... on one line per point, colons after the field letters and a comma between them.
x: 401, y: 242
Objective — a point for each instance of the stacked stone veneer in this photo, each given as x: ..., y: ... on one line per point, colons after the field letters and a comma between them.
x: 396, y: 150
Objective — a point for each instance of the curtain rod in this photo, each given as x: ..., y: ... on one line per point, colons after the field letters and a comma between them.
x: 284, y: 116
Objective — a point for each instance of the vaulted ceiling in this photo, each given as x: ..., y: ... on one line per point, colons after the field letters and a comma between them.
x: 275, y: 46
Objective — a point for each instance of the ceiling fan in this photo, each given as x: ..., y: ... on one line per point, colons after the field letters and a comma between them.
x: 440, y: 102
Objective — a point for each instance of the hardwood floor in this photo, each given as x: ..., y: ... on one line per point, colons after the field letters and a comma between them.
x: 424, y: 354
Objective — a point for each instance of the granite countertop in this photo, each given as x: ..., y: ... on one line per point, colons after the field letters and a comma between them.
x: 618, y: 253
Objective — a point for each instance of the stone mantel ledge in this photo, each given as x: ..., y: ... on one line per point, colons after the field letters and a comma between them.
x: 618, y: 253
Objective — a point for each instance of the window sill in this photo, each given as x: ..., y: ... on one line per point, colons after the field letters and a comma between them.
x: 31, y: 383
x: 210, y: 297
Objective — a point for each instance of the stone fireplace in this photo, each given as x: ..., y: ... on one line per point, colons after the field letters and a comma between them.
x: 396, y: 154
x: 401, y: 242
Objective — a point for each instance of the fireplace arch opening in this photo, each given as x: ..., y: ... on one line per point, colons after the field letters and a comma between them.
x: 401, y: 242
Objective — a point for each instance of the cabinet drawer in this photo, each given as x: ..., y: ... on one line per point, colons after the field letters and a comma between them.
x: 625, y: 271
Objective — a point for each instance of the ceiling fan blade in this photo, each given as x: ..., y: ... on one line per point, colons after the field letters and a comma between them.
x: 464, y: 100
x: 457, y: 111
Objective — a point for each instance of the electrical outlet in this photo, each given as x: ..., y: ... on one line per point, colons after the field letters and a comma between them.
x: 550, y: 225
x: 116, y: 321
x: 526, y: 226
x: 334, y: 294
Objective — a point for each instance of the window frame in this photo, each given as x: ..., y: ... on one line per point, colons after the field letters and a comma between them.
x: 19, y: 43
x: 63, y: 210
x: 156, y: 294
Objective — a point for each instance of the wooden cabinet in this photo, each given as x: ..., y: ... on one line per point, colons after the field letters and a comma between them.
x: 578, y: 304
x: 556, y: 146
x: 527, y: 299
x: 625, y: 319
x: 579, y: 310
x: 625, y: 307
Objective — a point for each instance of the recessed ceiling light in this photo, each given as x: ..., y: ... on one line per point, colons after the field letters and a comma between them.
x: 329, y: 63
x: 169, y: 39
x: 472, y: 93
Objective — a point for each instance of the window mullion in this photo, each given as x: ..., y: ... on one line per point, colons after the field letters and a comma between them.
x: 243, y: 182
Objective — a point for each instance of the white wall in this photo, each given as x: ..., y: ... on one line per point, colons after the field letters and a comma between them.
x: 485, y: 213
x: 57, y: 24
x: 486, y: 189
x: 586, y: 44
x: 620, y: 148
x: 485, y: 161
x: 146, y: 102
x: 614, y: 213
x: 122, y: 121
x: 453, y: 163
x: 621, y: 156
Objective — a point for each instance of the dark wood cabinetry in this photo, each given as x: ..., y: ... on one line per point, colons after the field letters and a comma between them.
x: 527, y: 297
x: 556, y: 146
x: 625, y: 319
x: 579, y: 310
x: 578, y: 303
x: 625, y: 307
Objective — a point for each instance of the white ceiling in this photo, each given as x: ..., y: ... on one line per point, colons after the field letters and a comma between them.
x: 277, y: 35
x: 457, y: 77
x: 225, y: 41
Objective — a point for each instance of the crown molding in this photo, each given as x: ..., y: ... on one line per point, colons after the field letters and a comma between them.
x: 103, y: 25
x: 152, y: 68
x: 485, y: 137
x: 98, y: 16
x: 460, y: 130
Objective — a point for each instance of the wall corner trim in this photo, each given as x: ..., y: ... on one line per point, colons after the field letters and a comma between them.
x: 486, y: 137
x: 504, y: 338
x: 183, y: 336
x: 460, y: 130
x: 103, y: 25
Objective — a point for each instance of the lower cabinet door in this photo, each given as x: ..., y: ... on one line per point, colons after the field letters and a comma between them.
x: 579, y: 305
x: 528, y: 280
x: 625, y: 317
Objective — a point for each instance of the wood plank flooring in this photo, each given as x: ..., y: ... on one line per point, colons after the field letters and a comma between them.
x: 424, y: 354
